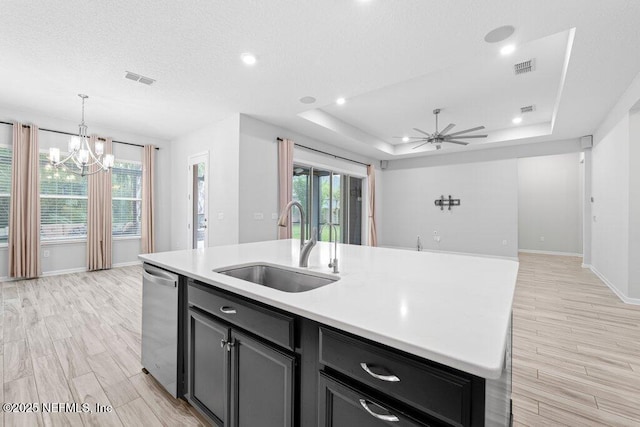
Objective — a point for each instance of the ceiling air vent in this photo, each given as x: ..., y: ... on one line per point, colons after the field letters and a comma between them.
x: 146, y: 80
x: 525, y: 66
x: 527, y: 109
x: 138, y: 78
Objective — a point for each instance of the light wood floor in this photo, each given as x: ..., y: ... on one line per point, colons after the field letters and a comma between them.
x: 576, y: 356
x: 76, y: 338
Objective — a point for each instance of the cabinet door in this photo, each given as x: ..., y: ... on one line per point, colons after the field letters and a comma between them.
x: 343, y: 406
x: 209, y: 366
x: 262, y: 384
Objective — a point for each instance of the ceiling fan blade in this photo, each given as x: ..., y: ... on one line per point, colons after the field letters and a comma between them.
x: 418, y: 146
x: 466, y: 136
x: 410, y: 137
x: 421, y: 131
x: 458, y: 142
x: 447, y: 129
x: 467, y: 130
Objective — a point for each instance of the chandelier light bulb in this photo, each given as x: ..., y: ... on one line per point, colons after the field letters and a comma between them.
x: 74, y: 144
x: 108, y: 162
x: 99, y: 148
x: 54, y: 155
x: 83, y: 156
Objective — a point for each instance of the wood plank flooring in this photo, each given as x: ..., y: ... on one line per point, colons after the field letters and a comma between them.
x: 576, y: 348
x: 76, y: 338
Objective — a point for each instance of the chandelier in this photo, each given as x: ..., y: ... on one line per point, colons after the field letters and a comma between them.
x: 81, y: 157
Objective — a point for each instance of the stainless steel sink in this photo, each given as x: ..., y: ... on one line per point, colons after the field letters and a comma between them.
x: 278, y: 278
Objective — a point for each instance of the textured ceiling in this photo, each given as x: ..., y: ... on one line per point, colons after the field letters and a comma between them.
x: 51, y: 51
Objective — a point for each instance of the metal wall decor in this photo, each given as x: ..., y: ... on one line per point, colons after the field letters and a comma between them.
x: 442, y: 202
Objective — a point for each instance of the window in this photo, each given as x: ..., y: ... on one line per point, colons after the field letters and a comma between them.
x: 5, y: 192
x: 126, y: 179
x: 328, y: 197
x: 63, y: 203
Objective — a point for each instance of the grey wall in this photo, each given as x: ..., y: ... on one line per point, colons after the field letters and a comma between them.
x: 610, y: 209
x: 634, y: 204
x: 550, y: 203
x: 486, y: 222
x: 71, y: 256
x: 220, y: 140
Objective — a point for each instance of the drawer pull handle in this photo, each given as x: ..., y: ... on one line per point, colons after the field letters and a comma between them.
x: 392, y: 418
x: 390, y: 378
x: 228, y: 310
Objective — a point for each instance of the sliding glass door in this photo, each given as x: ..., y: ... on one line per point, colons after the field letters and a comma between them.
x: 328, y: 197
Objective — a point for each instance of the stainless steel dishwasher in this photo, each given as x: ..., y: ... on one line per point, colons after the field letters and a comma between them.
x: 160, y: 326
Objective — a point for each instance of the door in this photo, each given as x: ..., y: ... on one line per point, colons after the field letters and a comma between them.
x: 262, y: 384
x: 209, y: 366
x: 198, y: 199
x: 342, y: 406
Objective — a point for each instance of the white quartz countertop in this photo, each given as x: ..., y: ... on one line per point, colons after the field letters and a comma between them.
x: 452, y: 309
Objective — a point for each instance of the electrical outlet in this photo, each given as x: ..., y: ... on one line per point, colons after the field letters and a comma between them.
x: 504, y: 243
x: 436, y: 239
x: 258, y: 216
x: 46, y: 253
x: 274, y: 216
x: 542, y: 238
x: 220, y: 216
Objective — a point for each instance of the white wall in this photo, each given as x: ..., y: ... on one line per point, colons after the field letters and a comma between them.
x: 259, y: 173
x: 634, y: 204
x: 71, y: 256
x: 610, y: 209
x: 486, y: 218
x: 550, y: 203
x: 221, y: 140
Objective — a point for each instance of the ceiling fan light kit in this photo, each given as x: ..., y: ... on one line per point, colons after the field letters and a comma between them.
x: 438, y: 137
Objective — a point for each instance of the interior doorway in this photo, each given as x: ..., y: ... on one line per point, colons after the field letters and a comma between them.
x: 198, y: 201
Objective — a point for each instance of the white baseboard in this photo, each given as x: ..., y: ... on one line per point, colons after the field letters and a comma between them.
x: 533, y: 251
x: 127, y: 264
x: 70, y: 271
x: 623, y: 298
x: 586, y: 266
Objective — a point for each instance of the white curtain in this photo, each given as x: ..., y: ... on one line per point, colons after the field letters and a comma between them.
x: 24, y: 210
x: 285, y: 177
x: 99, y: 229
x: 148, y: 222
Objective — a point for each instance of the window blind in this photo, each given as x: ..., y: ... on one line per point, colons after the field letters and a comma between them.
x: 126, y: 194
x: 63, y: 203
x: 5, y: 191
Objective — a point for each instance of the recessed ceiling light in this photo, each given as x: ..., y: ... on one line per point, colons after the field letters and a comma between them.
x: 307, y: 100
x: 499, y: 34
x: 516, y: 120
x: 405, y: 139
x: 508, y: 49
x: 248, y: 58
x: 340, y: 101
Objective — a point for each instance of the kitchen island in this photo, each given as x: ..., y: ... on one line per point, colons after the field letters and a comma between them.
x: 452, y: 312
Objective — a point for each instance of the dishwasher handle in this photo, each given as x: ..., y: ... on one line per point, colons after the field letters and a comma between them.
x: 157, y: 276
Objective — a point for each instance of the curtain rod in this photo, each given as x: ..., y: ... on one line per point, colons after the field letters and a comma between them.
x: 73, y: 134
x: 327, y: 154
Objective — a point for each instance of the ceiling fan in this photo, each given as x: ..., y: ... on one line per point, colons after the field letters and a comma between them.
x: 437, y: 138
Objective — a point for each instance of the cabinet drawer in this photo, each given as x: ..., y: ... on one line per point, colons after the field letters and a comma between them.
x: 427, y: 388
x: 340, y: 405
x: 266, y: 323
